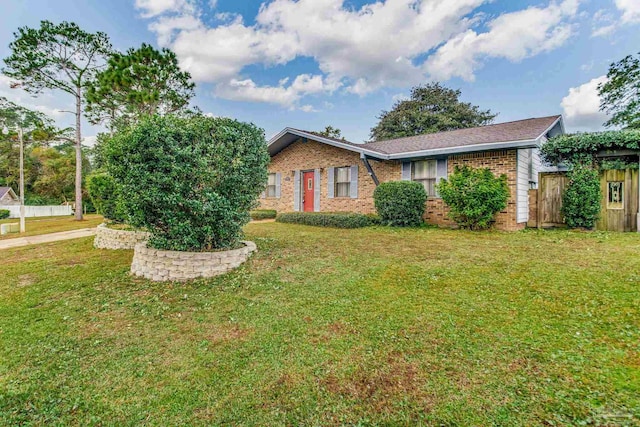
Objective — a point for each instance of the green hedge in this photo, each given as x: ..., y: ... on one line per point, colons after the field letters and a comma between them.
x: 4, y: 213
x: 329, y: 219
x: 259, y: 214
x: 105, y: 195
x: 581, y: 199
x: 400, y: 203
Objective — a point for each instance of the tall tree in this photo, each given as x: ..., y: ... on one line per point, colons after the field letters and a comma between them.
x: 331, y: 132
x: 431, y: 108
x: 39, y: 132
x: 142, y: 81
x: 59, y: 57
x: 620, y: 94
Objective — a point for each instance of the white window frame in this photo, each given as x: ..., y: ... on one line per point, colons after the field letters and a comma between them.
x: 271, y: 188
x: 426, y: 181
x: 336, y: 183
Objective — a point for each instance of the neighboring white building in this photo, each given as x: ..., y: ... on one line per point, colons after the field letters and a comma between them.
x: 8, y: 197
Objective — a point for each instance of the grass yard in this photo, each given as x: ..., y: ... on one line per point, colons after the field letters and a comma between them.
x: 330, y: 327
x: 53, y: 224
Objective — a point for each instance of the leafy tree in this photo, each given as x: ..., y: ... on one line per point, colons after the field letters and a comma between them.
x: 474, y: 196
x: 37, y: 130
x: 142, y: 81
x: 331, y: 132
x: 55, y: 176
x: 190, y: 181
x: 431, y: 108
x: 620, y: 95
x: 59, y: 57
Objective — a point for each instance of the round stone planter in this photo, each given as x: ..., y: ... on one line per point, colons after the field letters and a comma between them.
x: 111, y: 238
x: 162, y: 266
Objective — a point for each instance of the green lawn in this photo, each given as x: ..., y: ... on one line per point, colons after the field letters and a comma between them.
x: 330, y: 327
x: 52, y: 224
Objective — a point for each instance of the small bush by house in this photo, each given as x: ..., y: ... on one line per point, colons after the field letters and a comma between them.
x: 259, y: 214
x: 400, y: 203
x: 333, y: 219
x: 106, y: 197
x: 4, y: 213
x: 474, y: 196
x: 581, y: 199
x: 189, y: 181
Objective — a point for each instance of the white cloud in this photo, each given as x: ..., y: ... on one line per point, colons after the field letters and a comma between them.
x: 604, y: 23
x: 514, y: 36
x: 151, y: 8
x: 308, y: 109
x: 581, y: 106
x: 383, y: 44
x: 630, y: 10
x: 89, y: 141
x: 286, y: 96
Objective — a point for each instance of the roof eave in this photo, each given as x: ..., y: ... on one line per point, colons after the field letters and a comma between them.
x: 301, y: 134
x: 528, y: 143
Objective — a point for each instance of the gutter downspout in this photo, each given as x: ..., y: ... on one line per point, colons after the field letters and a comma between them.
x: 373, y: 176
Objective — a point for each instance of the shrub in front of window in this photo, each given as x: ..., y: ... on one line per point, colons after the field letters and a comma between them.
x: 105, y: 195
x: 581, y: 199
x: 190, y: 182
x: 400, y: 203
x: 328, y: 219
x: 259, y: 214
x: 4, y: 213
x: 474, y: 196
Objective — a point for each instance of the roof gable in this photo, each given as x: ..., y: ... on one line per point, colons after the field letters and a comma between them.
x: 9, y: 190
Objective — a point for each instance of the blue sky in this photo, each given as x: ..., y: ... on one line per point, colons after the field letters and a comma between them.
x: 312, y: 63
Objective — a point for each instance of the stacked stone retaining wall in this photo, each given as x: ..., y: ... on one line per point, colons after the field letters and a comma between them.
x: 161, y: 266
x: 111, y: 238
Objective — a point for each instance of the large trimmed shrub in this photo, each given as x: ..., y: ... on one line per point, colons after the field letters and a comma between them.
x: 328, y: 219
x: 192, y: 181
x: 474, y: 196
x: 581, y: 198
x: 106, y: 197
x: 4, y: 213
x: 400, y: 203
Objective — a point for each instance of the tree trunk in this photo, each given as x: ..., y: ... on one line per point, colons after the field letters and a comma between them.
x: 79, y: 216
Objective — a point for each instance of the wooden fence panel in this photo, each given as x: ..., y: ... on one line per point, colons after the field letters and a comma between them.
x: 551, y: 187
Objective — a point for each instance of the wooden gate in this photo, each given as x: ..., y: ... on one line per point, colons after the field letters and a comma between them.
x: 619, y: 205
x: 550, y: 190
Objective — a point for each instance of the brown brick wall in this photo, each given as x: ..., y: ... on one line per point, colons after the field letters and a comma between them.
x: 503, y: 161
x: 312, y: 155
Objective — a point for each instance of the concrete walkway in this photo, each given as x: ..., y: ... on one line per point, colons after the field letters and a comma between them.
x: 46, y: 238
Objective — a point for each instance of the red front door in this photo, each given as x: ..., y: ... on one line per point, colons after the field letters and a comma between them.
x: 308, y: 186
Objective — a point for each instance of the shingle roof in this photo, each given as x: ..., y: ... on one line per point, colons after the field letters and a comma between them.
x: 520, y: 130
x: 516, y: 134
x: 4, y: 190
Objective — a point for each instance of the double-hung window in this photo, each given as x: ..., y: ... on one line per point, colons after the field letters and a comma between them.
x: 342, y: 181
x: 424, y: 172
x: 271, y: 185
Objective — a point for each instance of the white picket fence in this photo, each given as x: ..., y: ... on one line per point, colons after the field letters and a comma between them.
x: 36, y: 211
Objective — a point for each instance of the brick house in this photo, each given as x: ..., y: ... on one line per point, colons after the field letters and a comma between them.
x: 313, y: 173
